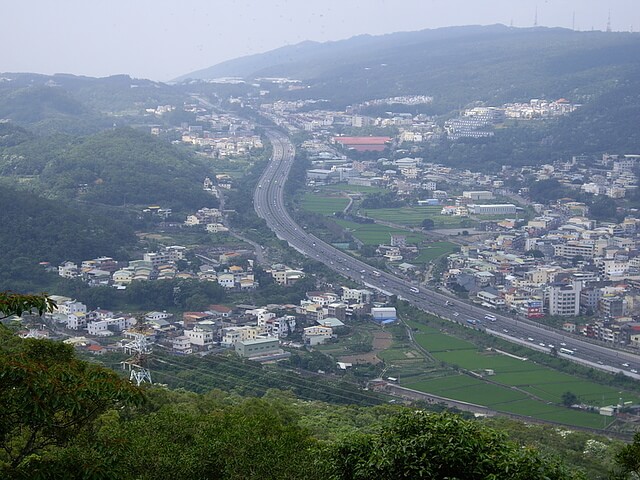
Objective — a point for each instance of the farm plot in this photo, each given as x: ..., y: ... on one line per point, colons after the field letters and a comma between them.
x: 511, y: 382
x: 434, y: 250
x: 323, y: 205
x: 413, y: 216
x: 374, y: 234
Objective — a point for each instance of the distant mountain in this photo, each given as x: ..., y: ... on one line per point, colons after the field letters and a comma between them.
x: 457, y: 65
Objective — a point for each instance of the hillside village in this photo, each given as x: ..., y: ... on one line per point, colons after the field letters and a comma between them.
x: 258, y: 333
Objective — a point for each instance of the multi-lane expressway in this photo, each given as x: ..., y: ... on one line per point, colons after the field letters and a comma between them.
x: 269, y: 205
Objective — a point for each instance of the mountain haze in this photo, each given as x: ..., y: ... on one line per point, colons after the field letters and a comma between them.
x: 455, y: 64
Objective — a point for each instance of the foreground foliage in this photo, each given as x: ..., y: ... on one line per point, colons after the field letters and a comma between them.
x: 64, y: 418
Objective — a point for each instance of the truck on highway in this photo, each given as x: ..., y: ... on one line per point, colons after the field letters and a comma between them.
x: 472, y: 321
x: 491, y: 318
x: 567, y: 351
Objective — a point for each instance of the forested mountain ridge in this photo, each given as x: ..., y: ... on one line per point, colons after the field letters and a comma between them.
x: 456, y: 65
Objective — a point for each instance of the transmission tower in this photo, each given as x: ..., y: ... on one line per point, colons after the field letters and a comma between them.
x: 139, y: 349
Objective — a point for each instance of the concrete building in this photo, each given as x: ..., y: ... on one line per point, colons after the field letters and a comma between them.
x: 564, y: 299
x: 257, y: 347
x: 497, y: 209
x: 384, y: 314
x: 317, y: 335
x: 478, y: 195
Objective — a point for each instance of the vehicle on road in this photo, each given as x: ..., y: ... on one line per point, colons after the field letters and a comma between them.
x: 472, y: 321
x: 490, y: 317
x: 376, y: 274
x: 567, y: 351
x: 414, y: 290
x: 625, y: 364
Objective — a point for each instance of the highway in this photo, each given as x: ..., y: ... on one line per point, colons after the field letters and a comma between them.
x: 269, y: 205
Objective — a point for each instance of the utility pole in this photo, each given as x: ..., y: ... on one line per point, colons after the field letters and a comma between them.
x: 609, y: 22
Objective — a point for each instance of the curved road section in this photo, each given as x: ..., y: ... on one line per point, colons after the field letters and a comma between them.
x: 269, y: 204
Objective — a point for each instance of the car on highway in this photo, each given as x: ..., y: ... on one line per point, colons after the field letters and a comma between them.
x: 633, y: 371
x: 455, y: 314
x: 625, y: 364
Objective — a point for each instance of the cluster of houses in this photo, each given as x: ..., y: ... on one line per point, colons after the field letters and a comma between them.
x: 220, y: 135
x: 162, y: 264
x: 562, y: 264
x: 476, y: 122
x: 253, y: 332
x: 210, y: 218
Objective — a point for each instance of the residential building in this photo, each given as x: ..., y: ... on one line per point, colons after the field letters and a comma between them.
x: 317, y: 335
x: 564, y: 299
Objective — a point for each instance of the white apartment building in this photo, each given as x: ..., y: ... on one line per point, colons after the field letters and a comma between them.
x: 564, y: 300
x: 71, y: 307
x: 107, y: 326
x: 356, y: 295
x: 572, y: 249
x: 478, y: 195
x: 68, y: 270
x: 317, y: 335
x: 201, y: 337
x: 496, y: 209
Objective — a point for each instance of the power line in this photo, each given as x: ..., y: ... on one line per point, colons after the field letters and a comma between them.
x: 331, y: 390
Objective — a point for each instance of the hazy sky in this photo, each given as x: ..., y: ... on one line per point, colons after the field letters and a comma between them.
x: 162, y: 39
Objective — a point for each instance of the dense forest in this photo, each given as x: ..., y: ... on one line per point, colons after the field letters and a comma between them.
x: 42, y: 230
x: 114, y: 167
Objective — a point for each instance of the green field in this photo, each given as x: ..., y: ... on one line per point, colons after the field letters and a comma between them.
x: 413, y: 216
x: 439, y: 342
x: 373, y: 234
x: 352, y: 188
x: 322, y: 204
x: 433, y: 251
x: 508, y: 389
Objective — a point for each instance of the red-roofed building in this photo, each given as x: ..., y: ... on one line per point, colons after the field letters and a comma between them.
x: 361, y: 144
x: 220, y: 310
x: 96, y: 350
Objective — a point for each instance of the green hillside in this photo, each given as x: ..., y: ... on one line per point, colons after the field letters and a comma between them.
x: 36, y: 229
x: 114, y: 167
